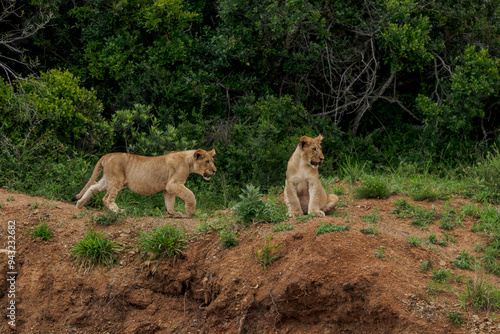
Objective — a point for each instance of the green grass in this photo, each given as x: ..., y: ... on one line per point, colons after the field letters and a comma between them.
x: 463, y: 260
x: 371, y: 230
x: 252, y: 209
x: 373, y: 187
x: 402, y: 208
x: 456, y: 317
x: 108, y: 218
x: 327, y: 228
x: 422, y: 218
x: 371, y: 218
x: 164, y: 241
x: 228, y: 238
x: 42, y: 231
x: 352, y: 170
x: 265, y: 253
x: 283, y: 227
x: 426, y: 265
x: 304, y: 218
x: 415, y: 241
x: 95, y: 250
x: 442, y: 275
x: 481, y: 295
x: 380, y: 253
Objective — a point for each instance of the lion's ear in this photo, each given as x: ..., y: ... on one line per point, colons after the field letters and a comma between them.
x: 198, y: 154
x: 212, y: 152
x: 319, y: 138
x: 304, y: 141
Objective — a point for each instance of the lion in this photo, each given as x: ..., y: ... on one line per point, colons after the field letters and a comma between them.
x: 304, y: 192
x: 147, y: 176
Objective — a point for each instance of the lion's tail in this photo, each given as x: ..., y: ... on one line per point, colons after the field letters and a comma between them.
x: 93, y: 178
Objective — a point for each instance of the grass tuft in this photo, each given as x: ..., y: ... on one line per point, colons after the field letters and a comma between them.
x: 95, y: 250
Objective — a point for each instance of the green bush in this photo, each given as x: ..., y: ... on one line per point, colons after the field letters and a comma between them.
x: 51, y: 115
x: 265, y: 254
x: 164, y: 241
x: 481, y: 295
x: 373, y: 187
x: 283, y: 227
x: 327, y: 228
x: 487, y: 173
x: 252, y: 209
x: 228, y: 238
x: 42, y: 231
x: 463, y: 260
x: 94, y: 250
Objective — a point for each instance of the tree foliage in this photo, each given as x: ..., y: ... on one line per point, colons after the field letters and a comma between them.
x: 385, y: 80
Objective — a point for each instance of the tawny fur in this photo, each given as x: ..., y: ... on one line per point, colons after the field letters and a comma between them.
x: 304, y: 193
x: 147, y: 176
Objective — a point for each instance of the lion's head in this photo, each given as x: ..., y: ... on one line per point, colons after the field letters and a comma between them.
x: 204, y: 163
x: 311, y: 148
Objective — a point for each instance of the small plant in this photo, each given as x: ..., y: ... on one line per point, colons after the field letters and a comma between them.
x: 425, y: 265
x: 433, y: 287
x: 265, y: 254
x: 415, y: 241
x: 402, y: 208
x: 228, y: 238
x: 433, y: 240
x: 252, y: 209
x: 371, y: 218
x: 109, y: 218
x: 481, y: 295
x: 489, y: 259
x: 371, y: 230
x: 421, y: 218
x: 283, y: 227
x: 463, y: 260
x: 373, y: 187
x: 327, y: 227
x: 164, y: 241
x: 424, y: 193
x: 304, y: 218
x: 471, y: 210
x: 449, y: 238
x: 380, y: 252
x: 450, y: 218
x: 10, y: 199
x: 94, y: 250
x: 456, y: 317
x: 441, y: 275
x: 352, y: 169
x: 42, y: 231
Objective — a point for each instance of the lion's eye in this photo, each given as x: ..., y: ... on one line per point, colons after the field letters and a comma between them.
x: 207, y: 162
x: 315, y: 149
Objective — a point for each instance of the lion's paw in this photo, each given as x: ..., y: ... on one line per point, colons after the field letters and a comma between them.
x: 292, y: 214
x: 318, y: 213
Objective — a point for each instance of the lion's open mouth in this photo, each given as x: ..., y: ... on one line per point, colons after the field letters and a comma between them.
x: 207, y: 176
x: 314, y: 163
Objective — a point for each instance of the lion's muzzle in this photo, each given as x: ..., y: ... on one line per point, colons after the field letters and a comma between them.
x: 207, y: 176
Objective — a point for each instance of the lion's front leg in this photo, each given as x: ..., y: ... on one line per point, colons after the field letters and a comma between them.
x: 317, y: 195
x: 292, y: 200
x: 184, y: 193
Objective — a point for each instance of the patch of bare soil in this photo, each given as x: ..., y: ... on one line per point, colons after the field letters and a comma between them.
x: 327, y: 283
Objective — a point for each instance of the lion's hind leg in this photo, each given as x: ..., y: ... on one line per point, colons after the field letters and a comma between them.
x: 331, y: 203
x: 109, y: 198
x: 94, y: 189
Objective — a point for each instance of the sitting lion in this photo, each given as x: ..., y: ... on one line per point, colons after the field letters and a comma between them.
x: 304, y: 192
x: 147, y: 176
